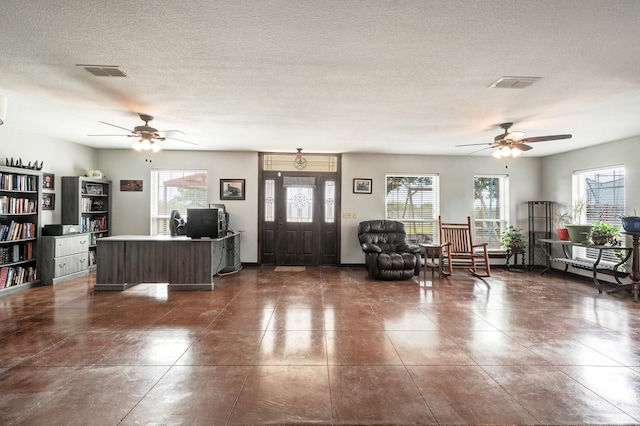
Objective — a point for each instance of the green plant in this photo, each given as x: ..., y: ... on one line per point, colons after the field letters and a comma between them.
x: 604, y: 233
x: 512, y: 237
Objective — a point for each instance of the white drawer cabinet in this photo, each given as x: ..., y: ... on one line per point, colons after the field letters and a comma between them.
x: 64, y: 257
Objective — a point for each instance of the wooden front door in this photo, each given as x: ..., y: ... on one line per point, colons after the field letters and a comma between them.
x: 299, y: 218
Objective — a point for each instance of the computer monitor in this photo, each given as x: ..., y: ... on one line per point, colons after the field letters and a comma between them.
x: 223, y: 216
x: 203, y: 223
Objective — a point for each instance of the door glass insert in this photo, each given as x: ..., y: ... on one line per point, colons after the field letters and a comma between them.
x: 269, y: 200
x: 329, y: 201
x: 299, y: 204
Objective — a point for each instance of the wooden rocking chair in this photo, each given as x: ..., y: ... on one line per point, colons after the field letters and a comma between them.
x: 459, y: 251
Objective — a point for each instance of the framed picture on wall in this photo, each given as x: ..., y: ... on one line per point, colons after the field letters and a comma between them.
x: 48, y: 201
x: 362, y: 186
x: 232, y: 189
x: 128, y: 185
x: 48, y: 181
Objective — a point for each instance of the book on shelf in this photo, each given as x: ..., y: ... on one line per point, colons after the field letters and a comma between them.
x: 4, y: 271
x: 16, y: 275
x: 17, y: 231
x: 18, y: 182
x: 14, y: 205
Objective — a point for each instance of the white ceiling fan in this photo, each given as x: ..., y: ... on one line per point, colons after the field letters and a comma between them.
x: 512, y: 144
x: 148, y: 136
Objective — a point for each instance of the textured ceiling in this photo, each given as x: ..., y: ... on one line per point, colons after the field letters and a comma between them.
x: 407, y: 77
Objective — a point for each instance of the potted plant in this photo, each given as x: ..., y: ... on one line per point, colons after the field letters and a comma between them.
x: 579, y: 232
x: 513, y: 239
x: 604, y: 233
x: 562, y: 221
x: 631, y: 223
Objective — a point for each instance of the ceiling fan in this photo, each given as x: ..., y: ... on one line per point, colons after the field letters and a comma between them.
x: 148, y: 135
x: 512, y: 144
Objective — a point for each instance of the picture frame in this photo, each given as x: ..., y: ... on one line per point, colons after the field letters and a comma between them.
x: 362, y: 186
x: 232, y: 189
x: 130, y: 185
x: 48, y: 181
x: 94, y: 188
x: 48, y: 201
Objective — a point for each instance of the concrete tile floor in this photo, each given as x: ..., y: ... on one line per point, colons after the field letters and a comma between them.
x: 325, y: 346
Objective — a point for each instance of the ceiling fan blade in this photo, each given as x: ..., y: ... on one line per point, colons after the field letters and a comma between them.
x: 475, y: 144
x: 119, y: 127
x: 182, y: 140
x: 108, y: 135
x: 545, y: 138
x: 166, y: 132
x: 479, y: 150
x: 522, y: 147
x: 514, y: 136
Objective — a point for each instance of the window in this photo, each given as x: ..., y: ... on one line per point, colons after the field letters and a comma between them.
x: 413, y: 200
x: 602, y: 192
x: 175, y: 190
x: 490, y: 212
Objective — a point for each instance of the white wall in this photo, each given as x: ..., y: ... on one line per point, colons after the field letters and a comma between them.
x: 456, y: 188
x: 131, y: 209
x: 557, y: 170
x: 546, y: 178
x: 59, y: 157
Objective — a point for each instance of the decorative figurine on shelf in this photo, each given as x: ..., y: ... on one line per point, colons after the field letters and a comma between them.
x: 95, y: 173
x: 18, y: 163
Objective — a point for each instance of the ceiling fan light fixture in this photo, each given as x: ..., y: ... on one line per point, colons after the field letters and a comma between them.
x: 145, y: 145
x: 506, y: 151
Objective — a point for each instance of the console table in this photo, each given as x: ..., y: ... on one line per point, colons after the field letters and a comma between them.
x: 594, y: 266
x: 184, y: 263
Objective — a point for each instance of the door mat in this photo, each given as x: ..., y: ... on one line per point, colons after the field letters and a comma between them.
x: 290, y: 268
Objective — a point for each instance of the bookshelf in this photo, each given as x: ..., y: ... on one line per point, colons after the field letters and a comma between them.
x: 20, y: 205
x: 87, y: 202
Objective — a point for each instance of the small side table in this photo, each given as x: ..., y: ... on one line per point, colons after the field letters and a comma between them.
x: 519, y: 267
x: 432, y: 259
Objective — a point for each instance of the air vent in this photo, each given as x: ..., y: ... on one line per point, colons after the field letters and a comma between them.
x: 104, y: 70
x: 514, y: 82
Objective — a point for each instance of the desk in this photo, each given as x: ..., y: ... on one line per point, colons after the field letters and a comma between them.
x: 594, y: 266
x: 432, y: 259
x: 184, y: 263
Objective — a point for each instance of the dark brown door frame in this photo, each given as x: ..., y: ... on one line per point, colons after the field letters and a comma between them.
x: 330, y: 241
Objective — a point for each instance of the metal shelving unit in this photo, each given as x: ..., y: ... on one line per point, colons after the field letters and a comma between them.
x: 540, y: 226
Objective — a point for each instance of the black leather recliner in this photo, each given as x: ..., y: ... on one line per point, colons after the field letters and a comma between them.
x: 388, y: 256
